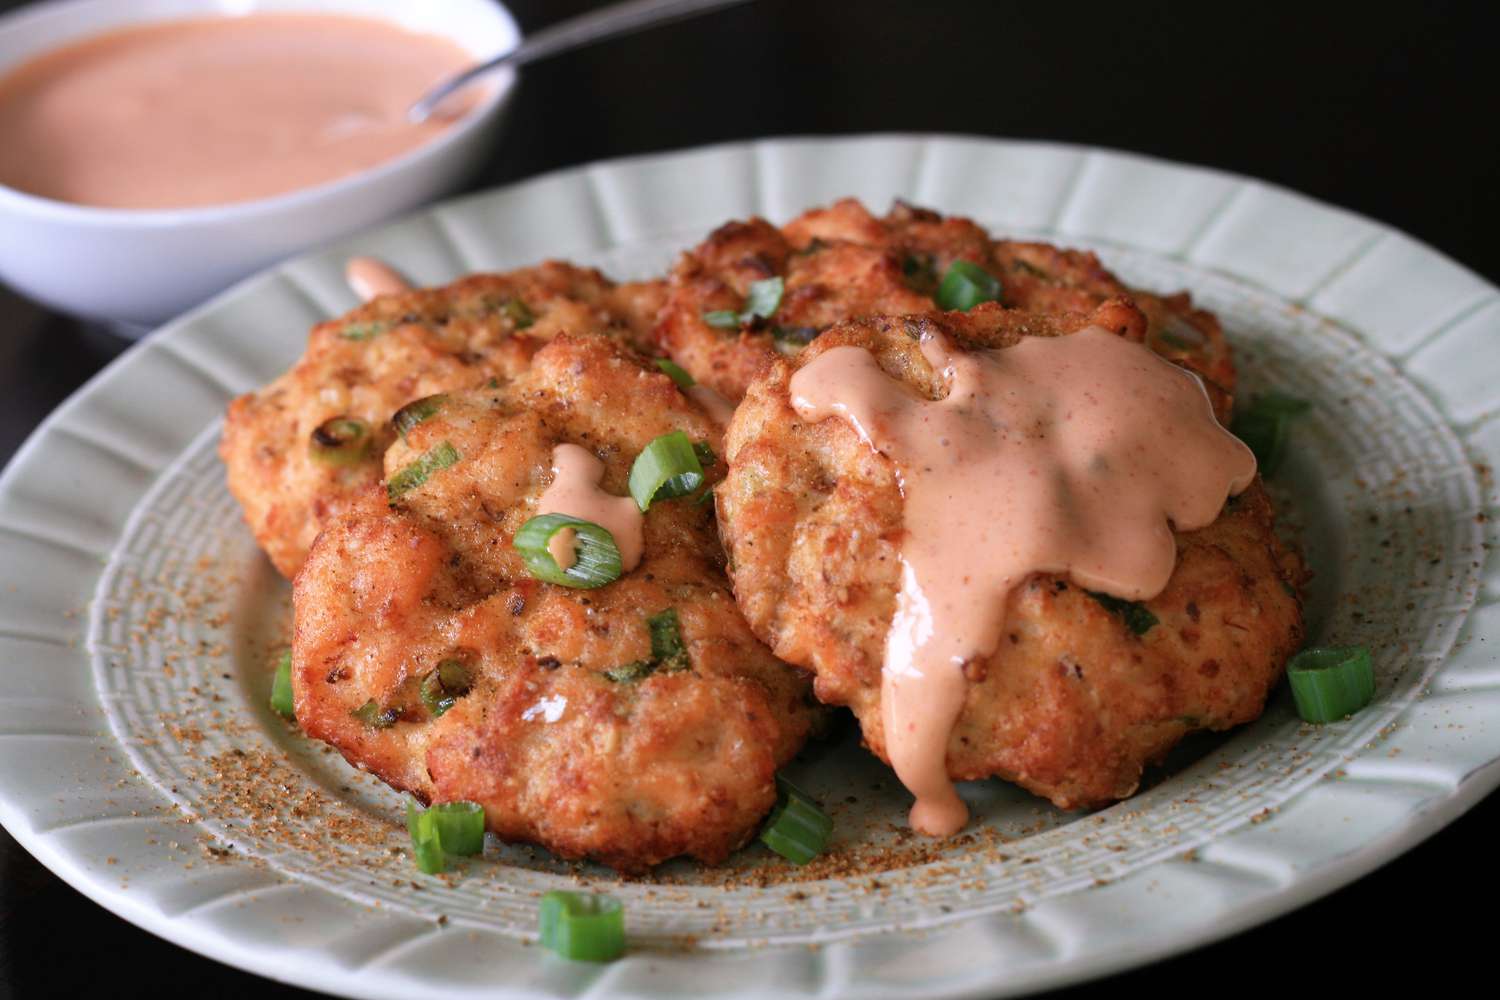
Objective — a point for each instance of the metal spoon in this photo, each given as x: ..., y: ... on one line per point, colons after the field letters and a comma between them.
x: 585, y: 29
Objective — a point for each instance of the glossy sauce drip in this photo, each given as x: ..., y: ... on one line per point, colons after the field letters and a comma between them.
x: 370, y: 277
x: 575, y: 491
x: 1069, y: 455
x: 211, y: 111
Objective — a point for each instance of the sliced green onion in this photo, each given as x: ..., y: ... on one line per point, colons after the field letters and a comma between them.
x: 667, y: 647
x: 583, y: 927
x: 763, y: 300
x: 416, y: 411
x: 1331, y: 682
x: 362, y: 331
x: 281, y: 687
x: 442, y: 829
x: 437, y: 457
x: 797, y: 828
x: 1264, y: 425
x: 519, y: 313
x: 668, y: 651
x: 426, y: 846
x: 706, y: 456
x: 444, y: 685
x: 375, y: 717
x: 707, y: 496
x: 920, y: 271
x: 596, y: 556
x: 668, y: 467
x: 340, y: 441
x: 1138, y: 618
x: 676, y: 373
x: 629, y: 673
x: 460, y: 826
x: 965, y: 285
x: 722, y: 319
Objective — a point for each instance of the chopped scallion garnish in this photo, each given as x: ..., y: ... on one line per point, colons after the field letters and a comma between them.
x: 426, y: 848
x: 797, y: 828
x: 763, y: 300
x: 676, y: 373
x: 519, y: 313
x: 375, y: 717
x: 965, y: 285
x: 706, y: 456
x: 1264, y: 426
x: 444, y: 685
x: 1137, y: 617
x: 460, y: 827
x: 416, y: 411
x: 442, y: 829
x: 668, y: 651
x: 1331, y: 682
x: 585, y: 927
x: 668, y: 467
x: 362, y: 331
x: 667, y: 647
x: 340, y: 441
x: 437, y: 457
x: 596, y: 557
x: 281, y: 687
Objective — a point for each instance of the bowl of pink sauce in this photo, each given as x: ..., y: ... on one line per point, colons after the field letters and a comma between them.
x: 152, y: 152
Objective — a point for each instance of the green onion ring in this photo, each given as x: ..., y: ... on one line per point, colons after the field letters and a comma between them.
x: 676, y: 373
x: 668, y: 467
x: 1264, y: 427
x: 965, y: 285
x: 416, y: 411
x: 1331, y: 682
x: 416, y: 473
x: 426, y: 847
x: 797, y: 828
x: 281, y: 687
x: 444, y: 685
x: 597, y: 557
x: 340, y: 441
x: 583, y: 927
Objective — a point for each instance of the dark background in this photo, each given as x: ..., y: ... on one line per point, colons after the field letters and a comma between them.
x: 1391, y: 112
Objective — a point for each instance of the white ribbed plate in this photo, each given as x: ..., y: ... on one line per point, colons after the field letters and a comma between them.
x: 138, y: 761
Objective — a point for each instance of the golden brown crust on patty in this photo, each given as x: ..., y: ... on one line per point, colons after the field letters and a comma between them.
x: 371, y: 361
x: 1073, y: 704
x: 842, y: 263
x: 627, y: 772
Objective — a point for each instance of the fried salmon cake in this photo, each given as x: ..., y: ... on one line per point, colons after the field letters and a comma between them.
x: 841, y: 262
x: 1083, y: 690
x: 300, y: 449
x: 562, y: 723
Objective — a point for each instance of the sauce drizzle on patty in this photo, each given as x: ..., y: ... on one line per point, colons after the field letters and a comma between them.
x: 575, y: 491
x: 1070, y: 455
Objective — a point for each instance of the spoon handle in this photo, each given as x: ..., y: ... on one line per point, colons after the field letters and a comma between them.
x: 585, y: 29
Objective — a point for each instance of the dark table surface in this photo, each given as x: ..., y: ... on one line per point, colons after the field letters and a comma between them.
x: 1392, y: 116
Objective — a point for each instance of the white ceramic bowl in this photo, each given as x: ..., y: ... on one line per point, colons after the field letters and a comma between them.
x: 143, y: 267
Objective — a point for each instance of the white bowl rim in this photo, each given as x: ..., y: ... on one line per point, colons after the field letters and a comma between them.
x: 504, y: 82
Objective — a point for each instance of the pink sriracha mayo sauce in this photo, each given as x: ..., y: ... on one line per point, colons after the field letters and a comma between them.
x: 575, y: 491
x: 371, y: 277
x: 1075, y: 454
x: 188, y: 113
